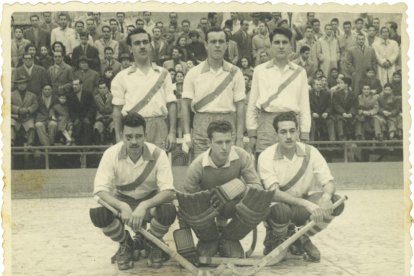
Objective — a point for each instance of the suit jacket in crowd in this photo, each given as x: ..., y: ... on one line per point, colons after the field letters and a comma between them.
x: 42, y: 114
x: 320, y: 103
x: 308, y: 65
x: 345, y: 102
x: 160, y: 55
x: 90, y: 79
x: 83, y: 108
x: 29, y: 101
x: 359, y: 60
x: 244, y: 42
x: 91, y: 53
x: 61, y: 77
x: 37, y: 79
x: 43, y: 38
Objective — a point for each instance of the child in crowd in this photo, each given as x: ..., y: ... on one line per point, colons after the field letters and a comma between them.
x: 60, y: 113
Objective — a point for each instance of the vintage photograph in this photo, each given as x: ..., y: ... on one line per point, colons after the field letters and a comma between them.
x: 205, y: 139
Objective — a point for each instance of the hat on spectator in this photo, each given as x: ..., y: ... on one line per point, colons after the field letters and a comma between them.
x: 21, y: 79
x: 124, y: 56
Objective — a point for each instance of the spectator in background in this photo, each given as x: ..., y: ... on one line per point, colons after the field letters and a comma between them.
x: 372, y: 35
x: 308, y: 40
x: 244, y: 41
x: 176, y: 55
x: 327, y: 49
x: 91, y: 28
x: 396, y: 83
x: 345, y: 104
x: 23, y: 109
x: 76, y: 40
x: 105, y: 42
x: 389, y: 110
x: 359, y: 59
x: 264, y: 57
x: 120, y: 16
x: 370, y: 79
x: 89, y: 77
x: 178, y: 91
x: 58, y: 46
x: 83, y: 112
x: 335, y: 27
x: 87, y: 50
x: 98, y: 23
x: 35, y: 75
x: 254, y: 24
x: 366, y: 117
x: 359, y: 27
x: 47, y: 24
x: 387, y: 52
x: 159, y: 48
x: 203, y: 28
x: 60, y: 74
x: 245, y: 67
x: 45, y: 58
x: 196, y: 48
x: 123, y: 46
x: 392, y: 27
x: 316, y: 27
x: 173, y: 16
x: 232, y: 52
x: 260, y: 42
x: 139, y: 23
x: 18, y: 45
x: 185, y: 31
x: 333, y: 77
x: 309, y: 17
x: 234, y: 17
x: 110, y: 62
x: 160, y: 25
x: 31, y: 49
x: 36, y: 35
x: 63, y: 33
x: 304, y: 61
x: 60, y: 115
x: 45, y: 127
x: 346, y: 41
x: 125, y: 60
x: 213, y: 20
x: 376, y: 23
x: 323, y: 126
x: 182, y: 45
x: 274, y: 23
x: 104, y: 122
x: 148, y: 23
x: 116, y: 34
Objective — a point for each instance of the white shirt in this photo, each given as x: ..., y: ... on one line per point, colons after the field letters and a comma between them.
x: 202, y: 80
x: 117, y: 169
x: 267, y: 78
x: 131, y: 85
x: 274, y: 168
x: 63, y: 36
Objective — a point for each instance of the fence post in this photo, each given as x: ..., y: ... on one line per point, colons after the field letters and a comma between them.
x: 346, y: 152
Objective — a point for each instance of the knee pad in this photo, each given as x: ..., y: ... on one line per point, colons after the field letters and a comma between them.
x: 101, y: 217
x: 165, y: 214
x: 280, y: 213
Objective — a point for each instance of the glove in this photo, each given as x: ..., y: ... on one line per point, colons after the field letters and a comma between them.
x: 226, y: 192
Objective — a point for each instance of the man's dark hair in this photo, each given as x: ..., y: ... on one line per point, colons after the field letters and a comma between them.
x: 120, y: 13
x: 217, y: 30
x: 34, y: 15
x: 26, y: 49
x: 398, y: 72
x: 107, y: 48
x: 388, y: 85
x: 220, y: 126
x: 113, y: 20
x: 211, y: 15
x: 102, y: 81
x: 77, y: 79
x: 393, y: 25
x: 282, y: 31
x: 105, y: 27
x: 139, y: 19
x: 194, y: 33
x: 186, y: 21
x: 359, y: 20
x: 178, y: 49
x: 83, y: 34
x: 134, y: 32
x: 133, y: 119
x: 335, y: 20
x: 304, y: 49
x: 315, y: 20
x: 79, y: 22
x: 347, y: 81
x: 347, y: 23
x: 283, y: 117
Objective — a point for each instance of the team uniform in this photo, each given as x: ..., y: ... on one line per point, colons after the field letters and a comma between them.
x: 146, y: 94
x: 214, y: 96
x: 275, y: 91
x: 203, y: 179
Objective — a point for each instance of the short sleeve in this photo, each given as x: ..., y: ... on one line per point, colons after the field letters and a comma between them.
x: 239, y: 87
x: 118, y: 90
x: 265, y: 169
x: 188, y: 86
x: 169, y: 89
x: 164, y: 173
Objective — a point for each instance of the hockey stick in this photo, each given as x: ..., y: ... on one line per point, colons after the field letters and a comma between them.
x: 180, y: 259
x: 256, y: 266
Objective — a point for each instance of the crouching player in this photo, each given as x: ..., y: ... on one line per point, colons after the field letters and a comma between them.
x: 222, y: 184
x: 135, y: 178
x: 290, y: 169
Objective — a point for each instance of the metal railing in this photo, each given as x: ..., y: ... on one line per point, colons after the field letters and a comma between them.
x: 84, y: 151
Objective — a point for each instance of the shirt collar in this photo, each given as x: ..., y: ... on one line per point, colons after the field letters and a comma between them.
x: 146, y: 154
x: 206, y: 67
x: 133, y: 68
x: 271, y: 64
x: 208, y: 162
x: 279, y: 155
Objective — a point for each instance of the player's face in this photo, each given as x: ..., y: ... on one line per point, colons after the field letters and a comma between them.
x: 140, y: 46
x: 280, y: 46
x: 216, y: 44
x: 220, y: 145
x: 133, y: 138
x: 287, y: 134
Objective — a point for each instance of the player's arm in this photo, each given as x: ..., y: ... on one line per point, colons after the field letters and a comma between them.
x: 117, y: 117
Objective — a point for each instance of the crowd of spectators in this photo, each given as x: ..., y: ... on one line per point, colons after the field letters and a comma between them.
x: 62, y: 69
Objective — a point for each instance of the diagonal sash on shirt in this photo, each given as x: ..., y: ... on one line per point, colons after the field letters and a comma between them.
x: 144, y: 175
x: 300, y: 172
x: 282, y: 87
x: 219, y: 89
x: 151, y: 93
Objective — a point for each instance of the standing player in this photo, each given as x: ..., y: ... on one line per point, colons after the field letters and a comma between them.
x: 146, y: 89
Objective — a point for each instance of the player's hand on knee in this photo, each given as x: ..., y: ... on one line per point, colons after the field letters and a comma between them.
x: 137, y: 217
x: 315, y: 211
x: 327, y: 206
